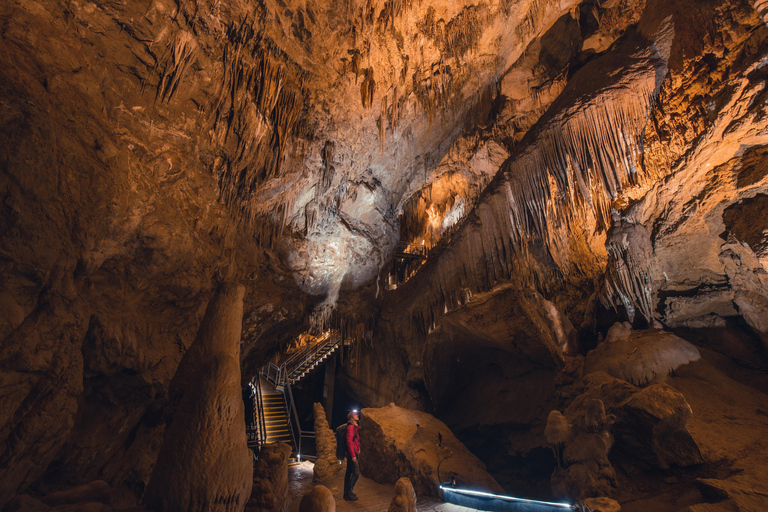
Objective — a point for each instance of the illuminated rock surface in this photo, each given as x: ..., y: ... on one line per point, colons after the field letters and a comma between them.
x: 567, y: 165
x: 401, y: 443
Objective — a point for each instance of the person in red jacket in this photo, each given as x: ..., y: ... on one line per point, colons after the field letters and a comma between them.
x: 353, y: 450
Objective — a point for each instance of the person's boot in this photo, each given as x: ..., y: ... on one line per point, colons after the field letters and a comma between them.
x: 350, y: 498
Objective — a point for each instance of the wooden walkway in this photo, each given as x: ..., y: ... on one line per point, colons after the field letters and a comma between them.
x: 374, y: 497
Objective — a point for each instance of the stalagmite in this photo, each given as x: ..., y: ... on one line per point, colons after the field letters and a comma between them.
x: 326, y: 465
x: 557, y: 433
x: 270, y: 479
x: 204, y: 463
x: 405, y: 497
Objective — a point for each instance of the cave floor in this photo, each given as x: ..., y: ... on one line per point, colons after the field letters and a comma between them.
x: 374, y: 497
x: 729, y: 423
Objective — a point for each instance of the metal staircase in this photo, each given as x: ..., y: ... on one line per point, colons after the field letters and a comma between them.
x: 276, y: 418
x: 277, y: 410
x: 303, y: 362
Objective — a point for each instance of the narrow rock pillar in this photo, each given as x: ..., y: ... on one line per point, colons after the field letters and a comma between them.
x: 204, y: 463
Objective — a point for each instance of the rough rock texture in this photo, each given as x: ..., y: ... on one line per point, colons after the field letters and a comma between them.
x: 638, y: 356
x: 602, y: 504
x: 97, y: 491
x: 204, y: 462
x: 319, y: 499
x: 649, y: 424
x: 270, y: 480
x: 327, y: 465
x: 150, y: 151
x: 585, y: 471
x: 397, y: 443
x: 475, y: 355
x: 405, y: 497
x: 628, y: 274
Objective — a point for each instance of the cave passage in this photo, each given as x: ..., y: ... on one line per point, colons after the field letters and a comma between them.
x: 526, y: 240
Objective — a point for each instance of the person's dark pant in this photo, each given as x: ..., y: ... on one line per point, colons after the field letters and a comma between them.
x: 351, y: 476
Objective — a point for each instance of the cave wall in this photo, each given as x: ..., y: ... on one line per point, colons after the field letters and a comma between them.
x: 674, y: 249
x: 150, y: 152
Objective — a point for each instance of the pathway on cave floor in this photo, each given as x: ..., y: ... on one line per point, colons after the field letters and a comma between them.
x: 373, y: 497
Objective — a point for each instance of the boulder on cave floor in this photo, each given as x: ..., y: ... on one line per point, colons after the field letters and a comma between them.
x: 638, y: 356
x: 397, y: 442
x: 602, y: 504
x: 649, y: 424
x: 319, y: 499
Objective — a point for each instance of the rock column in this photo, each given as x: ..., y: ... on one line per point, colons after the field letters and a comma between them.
x: 204, y: 463
x: 326, y: 465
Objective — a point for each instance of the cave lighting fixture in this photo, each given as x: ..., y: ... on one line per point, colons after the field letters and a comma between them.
x: 511, y: 499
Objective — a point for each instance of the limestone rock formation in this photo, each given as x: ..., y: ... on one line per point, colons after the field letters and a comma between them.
x: 557, y: 432
x: 638, y: 356
x: 204, y: 462
x: 270, y: 480
x: 586, y: 471
x: 397, y: 443
x: 151, y: 150
x: 319, y: 499
x: 476, y: 353
x: 405, y: 497
x: 326, y: 465
x: 649, y: 423
x: 629, y: 277
x: 602, y: 504
x: 97, y: 491
x: 657, y: 416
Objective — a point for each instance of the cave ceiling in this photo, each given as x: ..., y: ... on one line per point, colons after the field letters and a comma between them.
x: 308, y: 125
x: 564, y: 162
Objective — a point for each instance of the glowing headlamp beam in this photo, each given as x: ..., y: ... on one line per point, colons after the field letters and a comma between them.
x: 505, y: 498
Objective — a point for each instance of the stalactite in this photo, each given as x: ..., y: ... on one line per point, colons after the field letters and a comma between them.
x: 628, y: 277
x: 572, y: 165
x: 327, y: 154
x: 285, y: 114
x: 356, y: 63
x: 367, y: 88
x: 462, y: 33
x: 395, y: 107
x: 533, y: 18
x: 179, y: 56
x: 382, y: 122
x: 762, y: 7
x: 255, y: 111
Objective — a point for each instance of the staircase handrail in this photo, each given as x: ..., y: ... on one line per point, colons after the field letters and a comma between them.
x: 333, y: 342
x: 261, y: 436
x: 268, y: 370
x: 292, y: 412
x: 303, y: 354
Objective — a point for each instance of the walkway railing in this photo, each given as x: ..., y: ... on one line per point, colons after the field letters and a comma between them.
x: 291, y: 371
